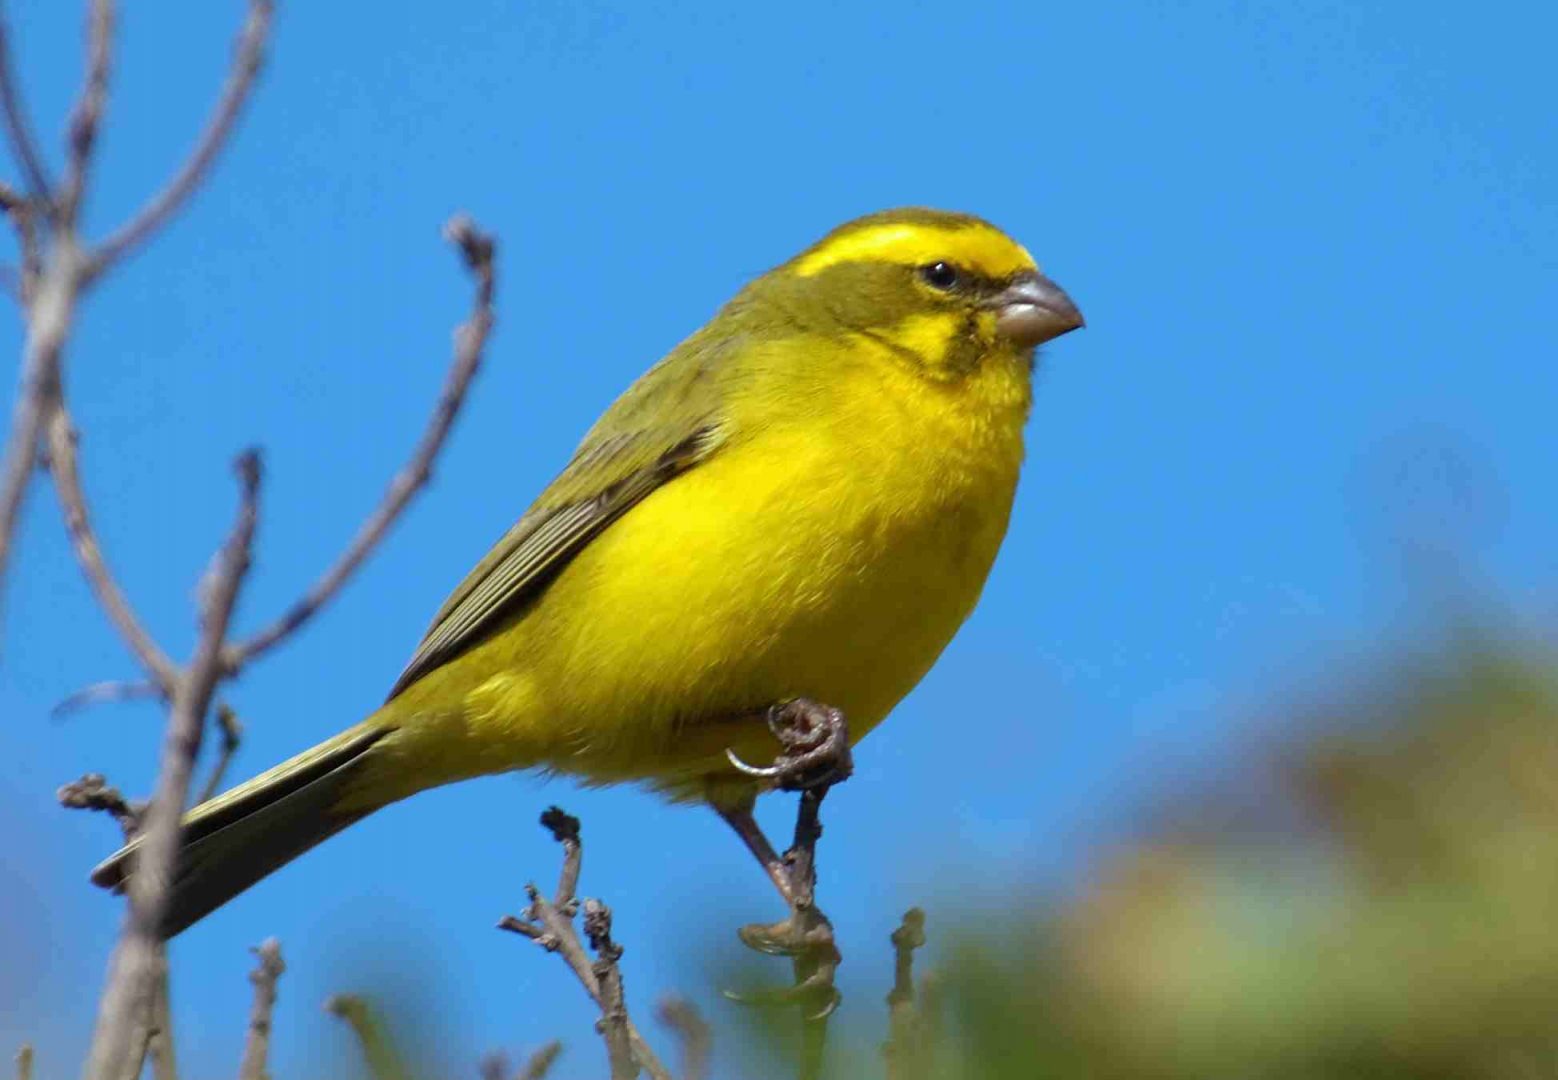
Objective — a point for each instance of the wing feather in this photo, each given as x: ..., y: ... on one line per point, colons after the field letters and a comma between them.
x: 662, y: 426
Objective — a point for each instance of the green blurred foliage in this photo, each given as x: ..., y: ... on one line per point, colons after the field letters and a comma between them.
x: 1388, y: 912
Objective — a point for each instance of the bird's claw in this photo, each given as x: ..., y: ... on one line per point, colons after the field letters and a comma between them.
x: 814, y: 747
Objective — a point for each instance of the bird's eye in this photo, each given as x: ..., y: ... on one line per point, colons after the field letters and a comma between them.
x: 940, y: 275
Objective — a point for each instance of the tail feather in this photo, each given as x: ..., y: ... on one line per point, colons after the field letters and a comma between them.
x: 237, y: 838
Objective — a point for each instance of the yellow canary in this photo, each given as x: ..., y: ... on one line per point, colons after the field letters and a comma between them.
x: 802, y: 500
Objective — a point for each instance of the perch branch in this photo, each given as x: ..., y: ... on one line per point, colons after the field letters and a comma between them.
x: 24, y: 1063
x: 248, y: 54
x: 470, y: 338
x: 814, y: 755
x: 268, y: 969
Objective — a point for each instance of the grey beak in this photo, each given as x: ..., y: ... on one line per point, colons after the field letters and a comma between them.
x: 1033, y: 310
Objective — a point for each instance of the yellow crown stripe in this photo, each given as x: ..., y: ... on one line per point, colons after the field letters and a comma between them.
x: 980, y: 248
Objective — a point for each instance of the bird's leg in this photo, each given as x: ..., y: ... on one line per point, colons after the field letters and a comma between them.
x: 814, y: 755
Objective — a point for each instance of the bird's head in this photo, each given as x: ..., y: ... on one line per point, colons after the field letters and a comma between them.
x: 947, y: 289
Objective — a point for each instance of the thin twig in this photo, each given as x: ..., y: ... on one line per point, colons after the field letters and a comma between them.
x: 904, y: 1059
x: 24, y: 1062
x: 608, y: 976
x: 133, y: 965
x: 232, y: 736
x: 247, y: 57
x: 88, y: 113
x: 89, y: 553
x: 93, y: 792
x: 538, y: 1064
x: 692, y: 1031
x: 550, y: 925
x: 23, y: 145
x: 268, y: 968
x: 103, y: 693
x: 470, y: 339
x: 383, y: 1062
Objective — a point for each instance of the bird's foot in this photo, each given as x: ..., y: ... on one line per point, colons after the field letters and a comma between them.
x: 814, y: 747
x: 807, y: 938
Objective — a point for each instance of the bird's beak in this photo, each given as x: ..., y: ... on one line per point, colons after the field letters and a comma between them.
x: 1033, y: 310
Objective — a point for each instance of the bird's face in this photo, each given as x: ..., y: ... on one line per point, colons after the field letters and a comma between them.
x: 946, y: 291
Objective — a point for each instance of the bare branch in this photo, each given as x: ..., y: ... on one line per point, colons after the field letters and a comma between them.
x: 133, y: 967
x: 495, y: 1066
x: 159, y: 1035
x: 48, y: 325
x: 93, y: 792
x: 89, y: 553
x: 23, y: 212
x: 111, y: 691
x: 24, y: 1063
x: 23, y: 145
x: 248, y: 54
x: 87, y: 114
x: 470, y: 341
x: 692, y: 1031
x: 538, y: 1064
x: 383, y: 1062
x: 268, y: 969
x: 231, y: 730
x: 550, y: 925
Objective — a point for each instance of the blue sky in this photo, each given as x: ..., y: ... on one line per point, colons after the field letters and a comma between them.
x: 1315, y: 245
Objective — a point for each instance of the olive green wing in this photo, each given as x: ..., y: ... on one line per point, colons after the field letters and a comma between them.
x: 665, y: 424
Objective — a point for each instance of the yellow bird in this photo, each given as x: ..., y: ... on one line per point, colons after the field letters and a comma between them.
x: 802, y: 500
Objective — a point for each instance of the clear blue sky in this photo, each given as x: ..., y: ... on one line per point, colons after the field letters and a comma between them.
x: 1313, y: 241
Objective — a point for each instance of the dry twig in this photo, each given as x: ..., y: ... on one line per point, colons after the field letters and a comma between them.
x: 24, y: 145
x: 63, y: 444
x: 248, y: 55
x: 383, y: 1062
x: 93, y: 792
x: 692, y: 1031
x: 538, y: 1064
x: 24, y: 1063
x: 133, y: 967
x: 232, y: 736
x: 549, y: 923
x: 903, y: 1050
x: 268, y: 968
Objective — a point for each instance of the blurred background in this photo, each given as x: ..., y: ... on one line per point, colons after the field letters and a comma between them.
x: 1246, y: 765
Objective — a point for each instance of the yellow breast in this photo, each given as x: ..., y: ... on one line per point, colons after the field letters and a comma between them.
x: 829, y: 550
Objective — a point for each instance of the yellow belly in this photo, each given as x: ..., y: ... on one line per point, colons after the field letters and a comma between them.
x: 832, y: 559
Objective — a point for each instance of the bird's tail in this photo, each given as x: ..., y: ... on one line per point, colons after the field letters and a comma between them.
x: 232, y: 841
